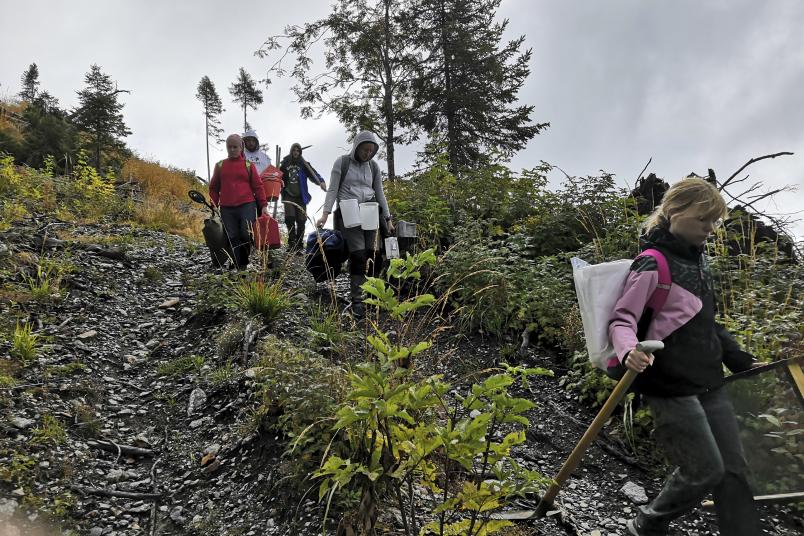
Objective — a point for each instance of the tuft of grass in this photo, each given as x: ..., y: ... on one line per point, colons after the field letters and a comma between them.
x: 88, y: 424
x: 222, y: 375
x: 181, y: 365
x: 152, y: 274
x: 23, y: 343
x: 19, y: 472
x: 230, y: 340
x: 162, y: 215
x: 7, y: 381
x: 328, y: 334
x: 50, y: 432
x: 263, y: 299
x: 43, y: 285
x: 62, y: 371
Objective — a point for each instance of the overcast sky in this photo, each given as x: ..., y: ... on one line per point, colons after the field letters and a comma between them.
x: 692, y: 84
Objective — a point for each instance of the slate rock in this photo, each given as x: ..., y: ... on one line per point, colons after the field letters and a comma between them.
x: 634, y: 492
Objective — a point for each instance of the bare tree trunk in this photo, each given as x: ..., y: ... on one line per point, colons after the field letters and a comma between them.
x: 97, y: 147
x: 388, y: 97
x: 206, y: 120
x: 449, y: 108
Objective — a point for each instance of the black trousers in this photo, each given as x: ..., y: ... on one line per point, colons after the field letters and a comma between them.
x: 295, y: 221
x: 238, y: 224
x: 699, y: 435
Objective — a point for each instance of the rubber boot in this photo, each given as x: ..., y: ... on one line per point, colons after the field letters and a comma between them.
x: 356, y: 294
x: 291, y: 239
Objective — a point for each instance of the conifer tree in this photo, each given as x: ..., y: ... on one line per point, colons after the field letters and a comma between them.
x: 30, y: 83
x: 466, y: 97
x: 212, y: 109
x: 245, y: 92
x: 370, y: 63
x: 100, y: 113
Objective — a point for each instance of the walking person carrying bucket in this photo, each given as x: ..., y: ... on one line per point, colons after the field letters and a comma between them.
x: 354, y: 181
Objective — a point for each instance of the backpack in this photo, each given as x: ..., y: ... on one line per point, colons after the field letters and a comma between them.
x: 324, y: 260
x: 598, y: 287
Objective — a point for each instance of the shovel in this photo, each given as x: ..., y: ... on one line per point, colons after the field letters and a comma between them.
x: 577, y: 453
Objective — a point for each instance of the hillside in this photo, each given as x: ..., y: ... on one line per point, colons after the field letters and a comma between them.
x: 141, y: 408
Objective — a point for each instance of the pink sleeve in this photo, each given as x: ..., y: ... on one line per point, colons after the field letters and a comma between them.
x: 639, y: 287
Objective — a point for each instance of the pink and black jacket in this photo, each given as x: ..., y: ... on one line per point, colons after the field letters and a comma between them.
x: 696, y: 346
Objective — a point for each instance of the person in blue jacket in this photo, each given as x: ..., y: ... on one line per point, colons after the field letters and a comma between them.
x: 296, y: 171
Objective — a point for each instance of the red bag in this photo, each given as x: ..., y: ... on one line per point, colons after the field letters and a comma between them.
x: 271, y: 182
x: 266, y: 233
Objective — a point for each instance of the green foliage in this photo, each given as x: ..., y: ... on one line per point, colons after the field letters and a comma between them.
x: 405, y: 433
x: 62, y: 371
x: 19, y: 471
x: 368, y: 79
x: 245, y: 92
x: 328, y: 333
x: 759, y: 298
x: 91, y: 195
x: 99, y: 113
x: 426, y: 199
x: 48, y: 132
x: 268, y: 300
x: 23, y: 343
x: 50, y: 432
x: 223, y: 374
x: 298, y: 391
x: 496, y: 288
x: 181, y: 365
x: 591, y: 384
x: 473, y: 111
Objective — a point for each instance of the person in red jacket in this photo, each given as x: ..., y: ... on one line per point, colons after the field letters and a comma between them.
x: 237, y: 189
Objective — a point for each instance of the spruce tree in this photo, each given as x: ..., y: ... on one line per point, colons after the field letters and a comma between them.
x: 466, y: 96
x: 100, y: 113
x: 30, y: 83
x: 245, y: 92
x: 370, y: 62
x: 212, y: 109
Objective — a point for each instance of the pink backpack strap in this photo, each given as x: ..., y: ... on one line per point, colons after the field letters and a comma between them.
x: 659, y: 296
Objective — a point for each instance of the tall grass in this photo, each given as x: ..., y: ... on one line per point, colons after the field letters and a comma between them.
x: 267, y: 300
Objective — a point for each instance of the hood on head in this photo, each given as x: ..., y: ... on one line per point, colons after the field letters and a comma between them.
x: 251, y: 134
x: 363, y: 136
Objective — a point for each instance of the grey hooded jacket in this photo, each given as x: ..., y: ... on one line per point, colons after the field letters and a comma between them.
x: 258, y: 157
x: 362, y: 181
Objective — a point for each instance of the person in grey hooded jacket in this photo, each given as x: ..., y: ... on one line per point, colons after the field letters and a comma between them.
x: 362, y: 181
x: 253, y: 153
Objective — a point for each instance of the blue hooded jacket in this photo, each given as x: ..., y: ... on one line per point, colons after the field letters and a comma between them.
x: 306, y: 171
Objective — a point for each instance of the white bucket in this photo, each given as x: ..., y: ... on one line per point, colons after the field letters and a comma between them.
x: 391, y: 248
x: 350, y: 213
x: 406, y: 229
x: 370, y: 215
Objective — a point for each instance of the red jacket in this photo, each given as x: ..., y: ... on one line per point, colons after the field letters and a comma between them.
x: 230, y: 185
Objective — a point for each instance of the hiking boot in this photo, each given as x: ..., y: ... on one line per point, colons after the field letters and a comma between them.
x: 358, y: 310
x: 635, y: 528
x: 356, y: 294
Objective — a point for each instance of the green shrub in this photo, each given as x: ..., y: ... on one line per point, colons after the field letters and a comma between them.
x: 405, y: 433
x: 268, y: 300
x: 50, y: 432
x: 298, y: 391
x: 23, y: 343
x: 494, y: 287
x: 328, y: 332
x: 181, y: 365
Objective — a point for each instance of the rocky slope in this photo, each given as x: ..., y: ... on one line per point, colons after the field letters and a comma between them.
x: 129, y: 422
